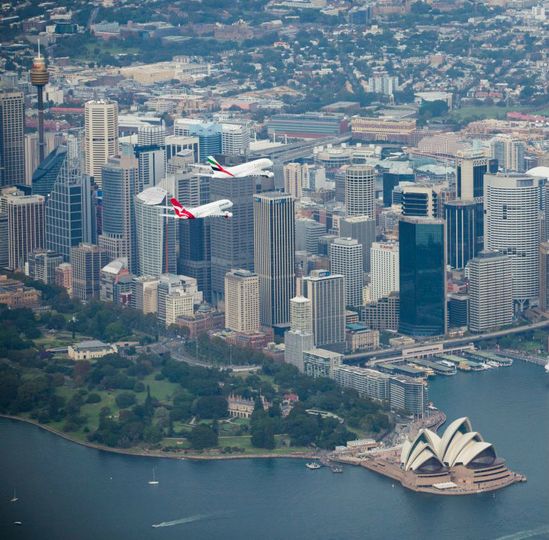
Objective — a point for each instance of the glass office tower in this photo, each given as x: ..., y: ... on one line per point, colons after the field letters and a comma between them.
x: 422, y: 276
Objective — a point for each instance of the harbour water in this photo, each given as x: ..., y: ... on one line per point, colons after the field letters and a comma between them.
x: 68, y: 491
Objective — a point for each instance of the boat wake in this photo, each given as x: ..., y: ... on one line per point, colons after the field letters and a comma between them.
x: 531, y: 533
x: 189, y: 519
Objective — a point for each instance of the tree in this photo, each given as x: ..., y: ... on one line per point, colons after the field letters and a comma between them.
x: 431, y: 109
x: 262, y: 430
x: 202, y: 437
x: 214, y: 407
x: 125, y: 400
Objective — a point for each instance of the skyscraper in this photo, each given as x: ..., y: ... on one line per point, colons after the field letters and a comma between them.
x: 360, y: 191
x: 120, y: 184
x: 232, y: 240
x: 296, y: 177
x: 464, y: 240
x: 145, y: 294
x: 42, y: 265
x: 471, y: 167
x: 274, y: 250
x: 422, y: 276
x: 363, y: 230
x: 327, y: 294
x: 101, y: 136
x: 419, y: 201
x: 511, y: 225
x: 69, y: 212
x: 195, y: 254
x: 25, y: 227
x: 346, y: 259
x: 12, y: 139
x: 490, y: 291
x: 300, y: 336
x: 86, y: 262
x: 544, y: 276
x: 208, y: 133
x: 177, y: 296
x: 194, y: 235
x: 307, y: 233
x: 470, y: 170
x: 509, y: 153
x: 181, y: 149
x: 301, y: 314
x: 151, y: 136
x: 51, y: 141
x: 384, y: 269
x: 152, y: 165
x: 391, y: 180
x: 45, y: 175
x: 156, y: 235
x: 242, y: 301
x: 4, y: 239
x: 235, y: 139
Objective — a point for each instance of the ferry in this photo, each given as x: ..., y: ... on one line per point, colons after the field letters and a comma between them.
x: 313, y: 466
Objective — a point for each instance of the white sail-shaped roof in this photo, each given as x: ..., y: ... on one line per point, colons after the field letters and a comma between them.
x: 459, y: 445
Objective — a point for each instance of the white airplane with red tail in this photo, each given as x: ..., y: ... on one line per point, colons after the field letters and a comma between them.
x: 214, y: 209
x: 251, y: 168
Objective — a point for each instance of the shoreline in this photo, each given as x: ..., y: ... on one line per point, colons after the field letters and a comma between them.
x: 158, y: 453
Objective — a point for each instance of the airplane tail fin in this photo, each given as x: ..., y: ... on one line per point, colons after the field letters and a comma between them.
x: 214, y: 165
x: 180, y: 210
x: 174, y: 202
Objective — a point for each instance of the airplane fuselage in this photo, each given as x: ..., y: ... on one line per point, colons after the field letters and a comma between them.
x: 253, y: 168
x: 214, y: 209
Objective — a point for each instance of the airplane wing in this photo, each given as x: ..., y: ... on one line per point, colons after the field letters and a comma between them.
x: 200, y: 167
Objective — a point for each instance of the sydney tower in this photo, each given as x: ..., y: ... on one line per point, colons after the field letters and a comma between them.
x: 39, y: 78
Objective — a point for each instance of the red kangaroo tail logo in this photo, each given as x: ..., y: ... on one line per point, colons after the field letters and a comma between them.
x: 179, y: 210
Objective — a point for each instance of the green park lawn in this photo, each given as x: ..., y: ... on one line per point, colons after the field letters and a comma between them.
x: 484, y: 111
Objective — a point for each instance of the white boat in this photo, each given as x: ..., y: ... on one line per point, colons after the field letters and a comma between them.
x: 18, y: 523
x: 14, y: 498
x: 154, y: 481
x: 547, y: 367
x: 313, y: 466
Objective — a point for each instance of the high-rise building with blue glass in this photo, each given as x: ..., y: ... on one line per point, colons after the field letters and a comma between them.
x: 209, y: 135
x: 69, y: 213
x: 45, y: 175
x: 470, y: 170
x: 232, y: 240
x: 463, y: 238
x: 422, y: 278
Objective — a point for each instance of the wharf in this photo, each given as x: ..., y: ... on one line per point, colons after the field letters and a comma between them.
x: 524, y: 357
x: 462, y: 483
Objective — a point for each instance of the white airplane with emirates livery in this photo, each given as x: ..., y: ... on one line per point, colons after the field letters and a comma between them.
x: 214, y: 209
x: 251, y: 168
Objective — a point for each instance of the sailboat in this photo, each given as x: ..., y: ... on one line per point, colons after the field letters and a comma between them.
x: 14, y: 498
x: 154, y: 481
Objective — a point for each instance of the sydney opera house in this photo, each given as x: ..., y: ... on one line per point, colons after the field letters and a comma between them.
x: 459, y: 462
